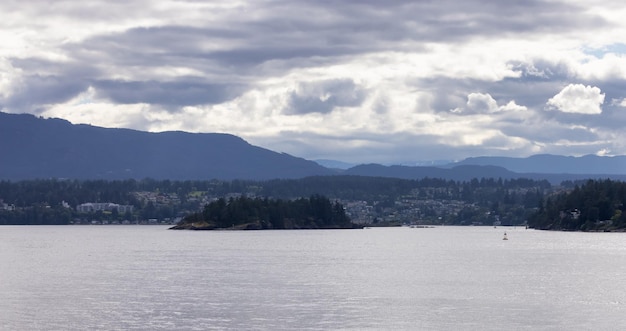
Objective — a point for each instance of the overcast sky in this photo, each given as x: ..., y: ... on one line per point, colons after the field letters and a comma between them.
x: 395, y: 82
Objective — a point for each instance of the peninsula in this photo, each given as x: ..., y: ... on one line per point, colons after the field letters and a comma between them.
x: 597, y: 205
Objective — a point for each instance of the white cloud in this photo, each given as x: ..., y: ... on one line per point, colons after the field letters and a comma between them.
x: 513, y: 107
x: 86, y: 108
x: 619, y: 102
x: 481, y: 103
x: 610, y: 66
x: 9, y: 78
x: 578, y: 98
x: 484, y: 103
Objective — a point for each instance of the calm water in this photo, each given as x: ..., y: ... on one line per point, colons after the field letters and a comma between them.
x: 445, y: 278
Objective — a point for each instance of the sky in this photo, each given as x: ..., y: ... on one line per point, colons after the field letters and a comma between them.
x: 392, y: 82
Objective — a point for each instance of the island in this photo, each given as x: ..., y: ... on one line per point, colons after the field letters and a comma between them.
x: 244, y: 213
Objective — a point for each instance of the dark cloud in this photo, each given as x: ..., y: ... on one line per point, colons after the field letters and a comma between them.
x: 306, y: 29
x: 47, y: 82
x: 36, y: 91
x: 324, y: 96
x: 181, y: 93
x: 289, y: 35
x: 152, y: 47
x: 446, y: 19
x: 447, y: 93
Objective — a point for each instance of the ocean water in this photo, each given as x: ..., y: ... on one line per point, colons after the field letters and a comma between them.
x: 443, y: 278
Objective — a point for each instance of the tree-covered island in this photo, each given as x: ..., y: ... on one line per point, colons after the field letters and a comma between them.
x: 244, y: 213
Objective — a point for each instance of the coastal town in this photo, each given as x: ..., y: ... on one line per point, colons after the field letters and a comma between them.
x: 447, y: 203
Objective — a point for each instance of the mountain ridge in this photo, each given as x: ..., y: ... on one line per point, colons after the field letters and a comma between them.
x: 553, y: 164
x: 33, y: 147
x: 469, y: 172
x: 53, y: 148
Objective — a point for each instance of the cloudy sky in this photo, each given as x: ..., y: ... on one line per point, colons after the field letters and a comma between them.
x: 358, y: 81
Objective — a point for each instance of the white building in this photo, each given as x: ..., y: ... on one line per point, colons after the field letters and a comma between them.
x: 5, y: 206
x: 91, y: 207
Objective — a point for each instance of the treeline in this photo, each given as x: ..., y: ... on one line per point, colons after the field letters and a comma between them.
x: 36, y: 215
x: 316, y: 212
x: 485, y: 200
x: 381, y: 188
x: 597, y: 205
x: 74, y: 192
x: 40, y: 201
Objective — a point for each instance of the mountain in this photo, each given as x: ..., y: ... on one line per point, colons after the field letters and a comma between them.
x: 466, y: 172
x: 459, y: 173
x: 554, y: 164
x: 33, y: 147
x: 553, y: 168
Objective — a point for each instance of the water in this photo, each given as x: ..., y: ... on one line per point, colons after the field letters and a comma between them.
x: 445, y: 278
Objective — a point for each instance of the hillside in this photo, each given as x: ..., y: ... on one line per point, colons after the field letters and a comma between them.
x: 553, y: 164
x: 466, y: 172
x: 33, y: 147
x: 593, y: 206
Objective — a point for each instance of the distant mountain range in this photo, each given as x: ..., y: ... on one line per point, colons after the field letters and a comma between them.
x: 554, y: 164
x: 460, y: 173
x: 469, y: 172
x: 33, y: 147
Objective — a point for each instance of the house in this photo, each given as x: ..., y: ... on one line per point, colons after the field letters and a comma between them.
x: 6, y: 206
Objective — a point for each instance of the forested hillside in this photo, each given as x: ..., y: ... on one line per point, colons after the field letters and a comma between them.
x: 53, y: 148
x: 593, y: 206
